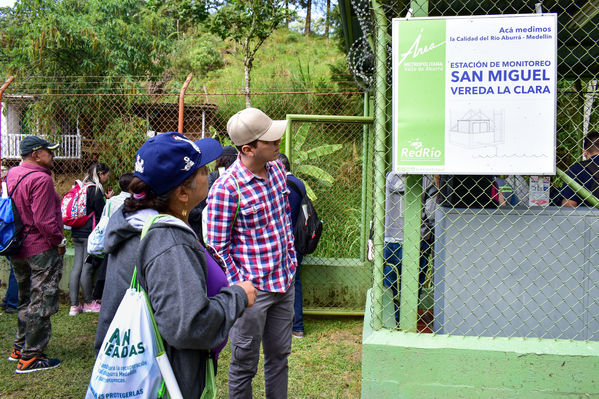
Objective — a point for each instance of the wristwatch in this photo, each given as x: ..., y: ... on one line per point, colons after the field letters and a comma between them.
x: 63, y: 243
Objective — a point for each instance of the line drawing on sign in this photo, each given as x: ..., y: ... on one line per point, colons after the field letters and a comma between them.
x: 476, y: 129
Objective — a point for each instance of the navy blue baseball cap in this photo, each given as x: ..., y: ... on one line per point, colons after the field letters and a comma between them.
x: 165, y: 161
x: 34, y: 143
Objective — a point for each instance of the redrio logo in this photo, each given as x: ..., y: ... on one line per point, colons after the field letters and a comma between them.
x: 416, y: 150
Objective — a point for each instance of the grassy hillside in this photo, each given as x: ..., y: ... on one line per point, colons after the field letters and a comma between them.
x: 286, y: 60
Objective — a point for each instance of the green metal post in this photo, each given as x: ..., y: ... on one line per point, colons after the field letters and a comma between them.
x: 364, y: 219
x: 379, y: 162
x: 288, y: 141
x: 419, y: 8
x: 370, y: 176
x: 408, y: 316
x: 328, y: 119
x: 350, y: 32
x: 582, y: 192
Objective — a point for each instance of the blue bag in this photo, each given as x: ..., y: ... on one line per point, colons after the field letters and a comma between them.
x: 11, y: 226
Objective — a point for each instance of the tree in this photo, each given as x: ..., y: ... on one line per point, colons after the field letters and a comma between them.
x: 308, y: 17
x: 327, y: 23
x: 185, y: 14
x: 84, y: 38
x: 248, y: 23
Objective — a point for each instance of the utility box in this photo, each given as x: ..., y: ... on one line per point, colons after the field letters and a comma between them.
x: 529, y: 272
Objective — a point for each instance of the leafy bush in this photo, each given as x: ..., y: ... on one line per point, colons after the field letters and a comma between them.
x: 303, y: 160
x: 292, y: 37
x: 197, y: 54
x: 119, y: 142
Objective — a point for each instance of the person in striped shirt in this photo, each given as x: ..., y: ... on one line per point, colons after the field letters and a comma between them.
x: 250, y: 228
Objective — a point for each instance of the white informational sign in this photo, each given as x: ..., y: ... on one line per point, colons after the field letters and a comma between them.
x: 475, y: 95
x: 539, y: 191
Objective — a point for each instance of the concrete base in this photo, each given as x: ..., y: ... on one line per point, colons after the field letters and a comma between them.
x: 335, y: 284
x: 409, y: 365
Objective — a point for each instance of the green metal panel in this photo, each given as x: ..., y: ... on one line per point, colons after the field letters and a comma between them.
x: 325, y: 284
x: 399, y: 364
x: 408, y: 364
x: 411, y: 254
x: 365, y: 214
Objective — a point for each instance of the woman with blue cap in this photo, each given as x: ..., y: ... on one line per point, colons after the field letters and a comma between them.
x: 171, y: 178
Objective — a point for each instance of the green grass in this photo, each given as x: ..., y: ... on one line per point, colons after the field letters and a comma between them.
x: 285, y: 60
x: 324, y: 364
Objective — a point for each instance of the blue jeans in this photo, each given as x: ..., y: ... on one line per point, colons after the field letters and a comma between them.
x: 392, y: 271
x: 11, y: 299
x: 298, y: 307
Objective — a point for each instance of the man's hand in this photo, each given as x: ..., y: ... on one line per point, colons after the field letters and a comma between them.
x: 250, y: 291
x: 61, y: 250
x: 568, y: 202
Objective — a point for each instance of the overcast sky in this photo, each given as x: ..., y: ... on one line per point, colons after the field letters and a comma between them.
x: 7, y: 3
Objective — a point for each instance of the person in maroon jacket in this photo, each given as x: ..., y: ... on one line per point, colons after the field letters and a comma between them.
x: 38, y: 266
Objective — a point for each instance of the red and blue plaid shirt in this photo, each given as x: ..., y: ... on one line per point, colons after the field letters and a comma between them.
x: 257, y: 244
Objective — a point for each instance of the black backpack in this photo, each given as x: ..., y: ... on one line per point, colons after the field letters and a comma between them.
x: 11, y: 226
x: 308, y: 227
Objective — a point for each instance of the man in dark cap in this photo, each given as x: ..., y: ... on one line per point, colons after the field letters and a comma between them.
x: 38, y: 265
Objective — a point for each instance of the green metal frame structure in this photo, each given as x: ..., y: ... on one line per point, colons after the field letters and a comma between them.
x: 315, y: 270
x: 411, y: 365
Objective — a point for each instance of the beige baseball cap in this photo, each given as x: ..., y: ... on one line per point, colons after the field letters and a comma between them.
x: 252, y: 124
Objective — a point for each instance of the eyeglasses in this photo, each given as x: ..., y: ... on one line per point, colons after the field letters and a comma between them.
x: 47, y: 150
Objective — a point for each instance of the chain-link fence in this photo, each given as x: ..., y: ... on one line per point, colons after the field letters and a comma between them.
x: 94, y: 121
x: 498, y: 255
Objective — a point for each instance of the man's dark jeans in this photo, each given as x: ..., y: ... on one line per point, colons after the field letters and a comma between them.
x: 11, y: 299
x: 298, y: 306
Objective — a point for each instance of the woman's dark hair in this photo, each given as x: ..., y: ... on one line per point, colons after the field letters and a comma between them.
x: 149, y: 199
x: 93, y: 172
x: 285, y: 161
x: 591, y: 141
x: 224, y: 161
x: 125, y: 180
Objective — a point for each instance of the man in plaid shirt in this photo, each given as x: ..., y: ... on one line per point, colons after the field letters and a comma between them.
x: 250, y: 228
